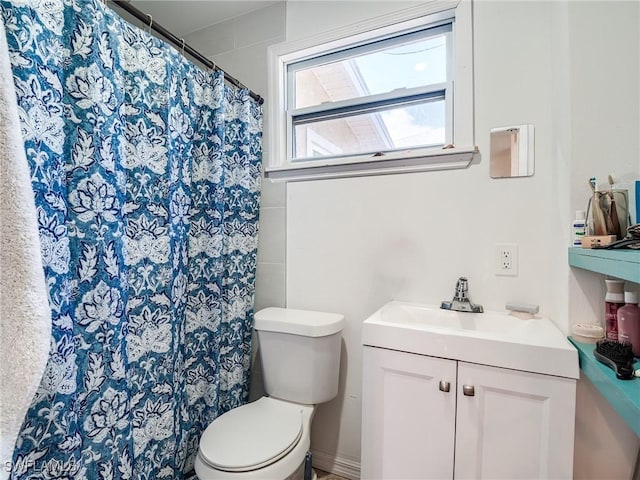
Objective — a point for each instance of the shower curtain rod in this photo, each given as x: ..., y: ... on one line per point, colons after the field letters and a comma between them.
x: 179, y: 42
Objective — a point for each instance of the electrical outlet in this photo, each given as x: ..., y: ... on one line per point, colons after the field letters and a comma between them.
x: 507, y: 259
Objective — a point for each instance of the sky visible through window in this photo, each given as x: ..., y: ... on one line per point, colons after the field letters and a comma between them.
x: 417, y: 63
x: 411, y: 65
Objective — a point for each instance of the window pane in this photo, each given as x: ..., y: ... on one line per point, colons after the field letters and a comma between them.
x: 398, y: 127
x: 410, y: 64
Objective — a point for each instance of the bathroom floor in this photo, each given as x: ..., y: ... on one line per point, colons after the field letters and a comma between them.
x: 328, y: 476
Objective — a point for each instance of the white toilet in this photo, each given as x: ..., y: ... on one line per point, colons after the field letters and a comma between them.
x: 269, y: 438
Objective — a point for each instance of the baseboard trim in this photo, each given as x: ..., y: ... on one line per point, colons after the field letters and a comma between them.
x: 341, y: 466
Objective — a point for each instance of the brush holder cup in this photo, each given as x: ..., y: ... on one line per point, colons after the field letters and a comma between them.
x: 608, y: 213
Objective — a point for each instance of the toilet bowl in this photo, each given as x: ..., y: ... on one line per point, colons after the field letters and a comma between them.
x: 274, y: 435
x: 269, y: 438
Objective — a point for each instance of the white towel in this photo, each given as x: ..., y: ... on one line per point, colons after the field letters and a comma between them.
x: 25, y: 316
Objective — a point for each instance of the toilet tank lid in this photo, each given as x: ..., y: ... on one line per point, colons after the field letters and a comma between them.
x: 298, y: 322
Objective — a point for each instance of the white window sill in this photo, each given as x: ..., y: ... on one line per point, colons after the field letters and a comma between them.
x: 398, y: 162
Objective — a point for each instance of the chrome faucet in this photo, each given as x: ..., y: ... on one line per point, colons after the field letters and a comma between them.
x: 461, y: 301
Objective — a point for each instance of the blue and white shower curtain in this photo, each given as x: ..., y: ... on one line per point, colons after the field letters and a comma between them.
x: 146, y: 172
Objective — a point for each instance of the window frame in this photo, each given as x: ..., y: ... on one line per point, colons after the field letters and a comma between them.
x: 279, y: 164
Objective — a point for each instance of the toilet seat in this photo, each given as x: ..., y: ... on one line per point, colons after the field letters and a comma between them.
x: 266, y: 430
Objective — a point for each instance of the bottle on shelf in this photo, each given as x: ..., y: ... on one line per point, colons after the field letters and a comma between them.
x: 578, y: 228
x: 629, y: 322
x: 613, y: 301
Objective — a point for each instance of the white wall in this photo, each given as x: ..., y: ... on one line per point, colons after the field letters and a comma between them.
x: 354, y: 244
x: 604, y: 137
x: 569, y: 68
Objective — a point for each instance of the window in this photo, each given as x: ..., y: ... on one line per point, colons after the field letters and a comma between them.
x: 380, y: 100
x: 383, y: 96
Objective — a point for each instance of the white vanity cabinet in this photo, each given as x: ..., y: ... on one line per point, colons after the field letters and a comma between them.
x: 408, y: 423
x: 426, y: 417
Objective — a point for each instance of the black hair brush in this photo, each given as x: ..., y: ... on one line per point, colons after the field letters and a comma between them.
x: 618, y: 356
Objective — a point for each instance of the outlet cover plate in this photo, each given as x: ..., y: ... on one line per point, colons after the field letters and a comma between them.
x: 506, y: 259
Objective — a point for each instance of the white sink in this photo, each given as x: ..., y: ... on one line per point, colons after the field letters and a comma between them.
x: 490, y: 338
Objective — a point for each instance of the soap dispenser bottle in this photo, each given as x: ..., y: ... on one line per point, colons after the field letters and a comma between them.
x: 629, y: 322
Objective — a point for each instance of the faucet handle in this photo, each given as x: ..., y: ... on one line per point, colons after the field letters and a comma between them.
x: 462, y: 287
x: 461, y: 301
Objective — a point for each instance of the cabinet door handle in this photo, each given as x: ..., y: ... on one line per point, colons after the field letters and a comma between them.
x: 444, y: 386
x: 468, y: 390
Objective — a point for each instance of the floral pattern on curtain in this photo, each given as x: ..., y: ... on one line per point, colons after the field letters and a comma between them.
x: 146, y: 172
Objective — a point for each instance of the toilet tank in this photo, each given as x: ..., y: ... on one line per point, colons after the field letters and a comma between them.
x: 300, y: 353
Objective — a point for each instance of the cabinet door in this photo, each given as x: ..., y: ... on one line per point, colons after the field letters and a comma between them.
x: 407, y: 420
x: 516, y: 425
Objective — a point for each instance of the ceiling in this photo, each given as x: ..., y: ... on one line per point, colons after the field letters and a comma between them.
x: 182, y: 17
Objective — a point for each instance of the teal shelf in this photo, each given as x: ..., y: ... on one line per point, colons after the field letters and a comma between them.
x: 623, y: 395
x: 622, y: 264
